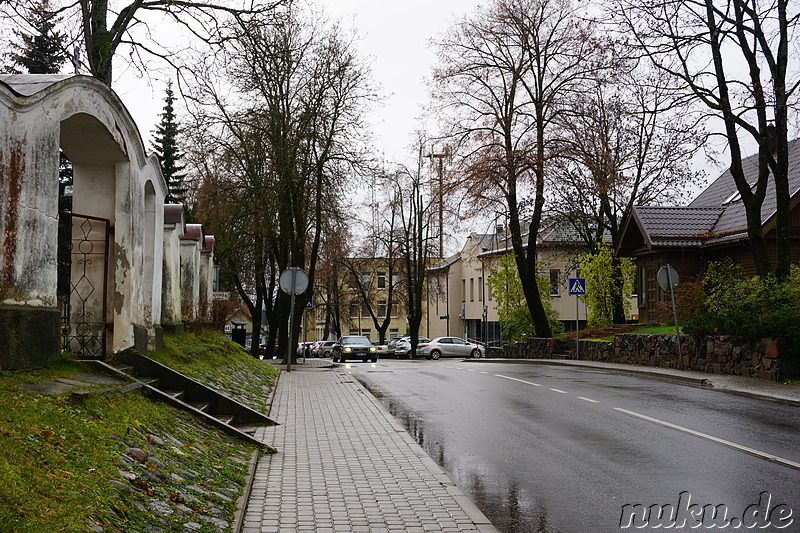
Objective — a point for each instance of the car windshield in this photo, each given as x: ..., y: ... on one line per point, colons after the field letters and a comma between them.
x: 355, y: 340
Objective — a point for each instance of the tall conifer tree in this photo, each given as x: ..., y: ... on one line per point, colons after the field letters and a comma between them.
x: 44, y: 50
x: 165, y: 144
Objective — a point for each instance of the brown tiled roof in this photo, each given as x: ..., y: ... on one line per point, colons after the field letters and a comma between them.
x: 717, y: 215
x: 677, y: 226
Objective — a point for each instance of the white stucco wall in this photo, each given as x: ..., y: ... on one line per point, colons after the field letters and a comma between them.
x: 111, y: 169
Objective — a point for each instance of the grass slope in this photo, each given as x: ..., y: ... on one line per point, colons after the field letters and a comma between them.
x: 212, y: 359
x: 58, y: 456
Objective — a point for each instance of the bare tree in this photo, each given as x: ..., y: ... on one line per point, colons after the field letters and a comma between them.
x: 502, y: 79
x: 733, y: 58
x: 103, y: 28
x: 418, y: 240
x: 304, y: 89
x: 626, y: 142
x: 382, y: 254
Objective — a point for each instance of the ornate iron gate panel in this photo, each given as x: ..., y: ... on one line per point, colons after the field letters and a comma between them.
x: 82, y: 283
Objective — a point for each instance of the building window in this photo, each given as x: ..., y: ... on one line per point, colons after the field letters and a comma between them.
x: 395, y: 281
x: 227, y: 328
x: 366, y: 332
x: 354, y: 310
x: 489, y: 295
x: 471, y: 289
x: 463, y: 290
x: 381, y: 281
x: 382, y: 308
x: 352, y: 281
x: 554, y: 275
x: 642, y: 283
x: 354, y: 331
x: 480, y: 289
x: 365, y: 311
x: 395, y: 309
x: 366, y: 279
x: 393, y: 333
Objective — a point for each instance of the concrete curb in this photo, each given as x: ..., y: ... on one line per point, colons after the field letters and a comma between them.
x: 755, y: 395
x: 241, y: 503
x: 469, y: 507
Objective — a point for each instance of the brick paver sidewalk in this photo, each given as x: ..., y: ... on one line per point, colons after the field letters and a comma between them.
x: 344, y: 464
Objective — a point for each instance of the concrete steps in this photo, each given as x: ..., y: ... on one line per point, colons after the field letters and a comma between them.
x: 185, y: 393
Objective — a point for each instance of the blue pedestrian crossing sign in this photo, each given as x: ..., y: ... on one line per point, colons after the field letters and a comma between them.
x: 577, y: 286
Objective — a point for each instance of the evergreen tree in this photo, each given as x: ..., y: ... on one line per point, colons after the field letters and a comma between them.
x: 165, y: 144
x: 43, y: 51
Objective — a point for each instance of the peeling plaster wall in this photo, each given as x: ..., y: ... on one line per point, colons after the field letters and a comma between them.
x: 171, y: 277
x: 206, y: 279
x: 37, y: 113
x: 190, y: 279
x: 29, y: 209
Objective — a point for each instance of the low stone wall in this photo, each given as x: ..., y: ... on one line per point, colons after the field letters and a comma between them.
x: 722, y: 355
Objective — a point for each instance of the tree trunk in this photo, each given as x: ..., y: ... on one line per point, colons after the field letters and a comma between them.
x: 530, y: 286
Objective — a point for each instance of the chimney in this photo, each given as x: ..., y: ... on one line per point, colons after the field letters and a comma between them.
x: 772, y: 139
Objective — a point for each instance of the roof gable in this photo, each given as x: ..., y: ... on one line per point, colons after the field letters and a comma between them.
x: 717, y: 215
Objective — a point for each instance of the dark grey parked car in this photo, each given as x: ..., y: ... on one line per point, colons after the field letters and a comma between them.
x: 354, y: 347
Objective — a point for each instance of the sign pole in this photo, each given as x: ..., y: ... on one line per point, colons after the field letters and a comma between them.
x: 675, y: 316
x: 291, y: 324
x: 577, y: 328
x: 577, y: 287
x: 293, y: 281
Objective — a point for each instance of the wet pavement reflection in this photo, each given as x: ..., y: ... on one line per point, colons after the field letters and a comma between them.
x: 511, y: 509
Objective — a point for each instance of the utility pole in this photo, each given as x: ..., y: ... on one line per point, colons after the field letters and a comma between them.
x: 440, y: 174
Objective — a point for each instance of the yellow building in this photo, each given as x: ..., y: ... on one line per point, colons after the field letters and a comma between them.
x: 372, y: 293
x: 460, y: 303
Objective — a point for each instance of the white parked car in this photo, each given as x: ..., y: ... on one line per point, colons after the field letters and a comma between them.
x: 449, y: 347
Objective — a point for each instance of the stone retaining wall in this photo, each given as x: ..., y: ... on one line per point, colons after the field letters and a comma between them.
x: 722, y: 355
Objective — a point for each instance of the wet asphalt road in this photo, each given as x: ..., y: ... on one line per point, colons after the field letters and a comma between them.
x: 561, y: 449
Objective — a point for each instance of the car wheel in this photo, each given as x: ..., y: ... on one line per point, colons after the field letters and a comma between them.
x: 475, y: 353
x: 435, y: 354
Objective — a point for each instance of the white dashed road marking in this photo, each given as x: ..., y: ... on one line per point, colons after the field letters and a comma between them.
x: 763, y: 455
x: 515, y: 379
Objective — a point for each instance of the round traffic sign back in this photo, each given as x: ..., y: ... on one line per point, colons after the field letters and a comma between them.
x: 293, y: 280
x: 668, y: 276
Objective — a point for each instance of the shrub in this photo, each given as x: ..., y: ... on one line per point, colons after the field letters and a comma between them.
x: 607, y: 278
x: 514, y: 316
x: 690, y: 299
x: 749, y: 308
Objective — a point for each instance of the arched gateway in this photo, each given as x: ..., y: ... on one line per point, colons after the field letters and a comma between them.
x: 106, y: 297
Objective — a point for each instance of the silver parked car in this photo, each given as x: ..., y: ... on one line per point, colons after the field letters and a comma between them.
x: 403, y: 346
x: 449, y: 347
x: 325, y: 348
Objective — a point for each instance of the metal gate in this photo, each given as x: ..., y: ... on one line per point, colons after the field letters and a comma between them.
x: 83, y: 243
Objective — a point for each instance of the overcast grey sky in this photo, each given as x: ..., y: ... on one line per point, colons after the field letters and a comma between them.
x: 394, y: 37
